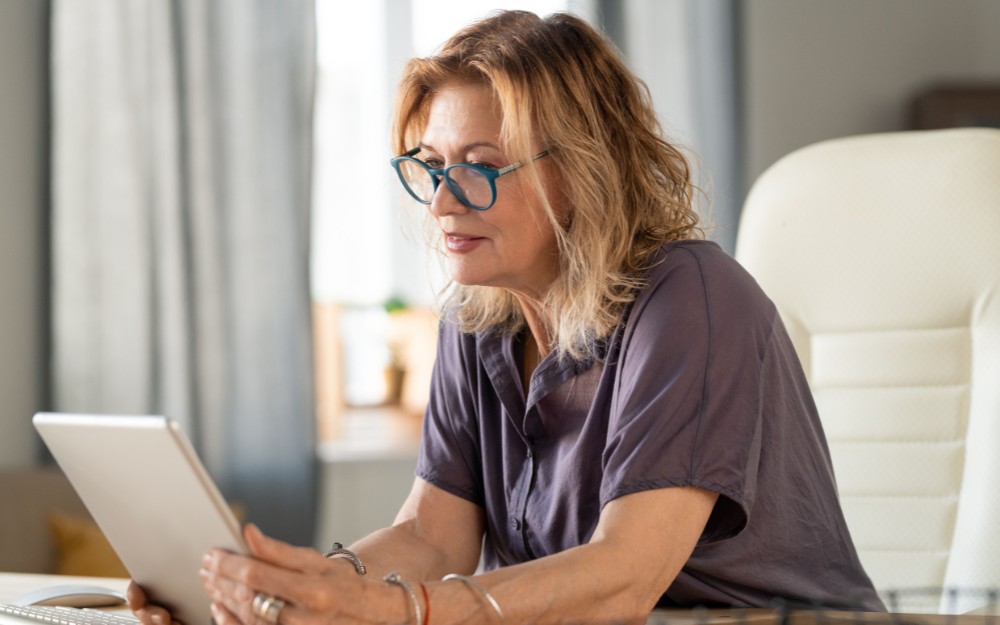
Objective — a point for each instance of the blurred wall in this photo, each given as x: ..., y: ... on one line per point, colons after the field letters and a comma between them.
x: 23, y: 210
x: 817, y: 69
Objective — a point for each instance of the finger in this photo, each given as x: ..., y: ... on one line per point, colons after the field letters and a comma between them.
x: 135, y: 596
x: 223, y: 616
x: 153, y: 615
x: 235, y: 597
x: 297, y: 567
x: 242, y: 611
x: 283, y: 554
x: 292, y: 614
x: 237, y: 600
x: 233, y: 581
x: 245, y: 570
x: 146, y: 612
x: 237, y: 592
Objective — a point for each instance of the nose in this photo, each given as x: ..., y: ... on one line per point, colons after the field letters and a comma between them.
x: 444, y: 201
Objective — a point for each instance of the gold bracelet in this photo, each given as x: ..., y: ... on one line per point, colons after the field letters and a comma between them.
x: 396, y: 579
x: 339, y: 551
x: 471, y: 583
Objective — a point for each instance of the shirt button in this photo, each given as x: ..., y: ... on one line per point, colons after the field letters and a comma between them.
x: 515, y: 524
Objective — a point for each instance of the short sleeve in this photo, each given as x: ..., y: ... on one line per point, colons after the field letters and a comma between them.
x: 685, y: 409
x: 449, y: 449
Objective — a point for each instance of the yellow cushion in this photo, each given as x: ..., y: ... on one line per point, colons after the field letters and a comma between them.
x: 82, y: 549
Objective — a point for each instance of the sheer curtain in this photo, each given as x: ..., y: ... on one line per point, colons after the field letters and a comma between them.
x: 688, y: 53
x: 181, y: 176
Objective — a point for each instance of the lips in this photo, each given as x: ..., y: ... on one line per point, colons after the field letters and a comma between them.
x: 460, y: 242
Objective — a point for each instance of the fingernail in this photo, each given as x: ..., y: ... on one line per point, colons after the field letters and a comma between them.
x: 158, y: 619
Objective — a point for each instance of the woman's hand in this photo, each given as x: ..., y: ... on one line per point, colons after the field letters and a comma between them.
x: 146, y: 612
x: 314, y: 589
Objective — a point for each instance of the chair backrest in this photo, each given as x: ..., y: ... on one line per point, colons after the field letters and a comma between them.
x: 882, y: 253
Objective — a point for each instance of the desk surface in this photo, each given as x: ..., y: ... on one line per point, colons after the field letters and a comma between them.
x: 810, y: 617
x: 15, y: 584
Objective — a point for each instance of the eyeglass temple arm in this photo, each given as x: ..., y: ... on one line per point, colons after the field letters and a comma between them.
x: 519, y: 164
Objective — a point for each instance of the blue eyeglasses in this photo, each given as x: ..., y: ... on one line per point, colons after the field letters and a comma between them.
x: 474, y: 186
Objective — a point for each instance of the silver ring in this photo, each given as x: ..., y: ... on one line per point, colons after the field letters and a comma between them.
x: 267, y: 607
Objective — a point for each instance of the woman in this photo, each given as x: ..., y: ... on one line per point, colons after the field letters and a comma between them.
x: 617, y: 417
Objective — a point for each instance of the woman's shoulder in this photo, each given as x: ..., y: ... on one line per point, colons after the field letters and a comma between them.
x: 702, y: 261
x: 694, y: 253
x: 702, y: 273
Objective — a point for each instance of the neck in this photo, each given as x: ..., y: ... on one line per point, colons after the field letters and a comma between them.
x: 538, y: 326
x: 536, y: 344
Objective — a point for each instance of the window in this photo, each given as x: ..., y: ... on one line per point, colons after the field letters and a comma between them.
x: 361, y: 257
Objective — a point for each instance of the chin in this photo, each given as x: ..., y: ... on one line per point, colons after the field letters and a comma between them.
x: 465, y: 280
x: 466, y: 276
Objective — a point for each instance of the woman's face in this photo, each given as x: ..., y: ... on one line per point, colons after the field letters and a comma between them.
x: 512, y: 245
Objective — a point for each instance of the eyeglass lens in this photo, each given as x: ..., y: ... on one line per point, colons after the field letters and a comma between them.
x: 469, y: 185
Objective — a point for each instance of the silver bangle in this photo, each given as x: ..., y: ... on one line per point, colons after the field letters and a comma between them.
x: 337, y: 550
x: 396, y: 579
x: 473, y: 584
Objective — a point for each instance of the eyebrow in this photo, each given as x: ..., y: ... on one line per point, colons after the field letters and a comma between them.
x: 466, y: 148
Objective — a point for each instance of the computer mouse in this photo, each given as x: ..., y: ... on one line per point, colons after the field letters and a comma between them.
x: 72, y: 596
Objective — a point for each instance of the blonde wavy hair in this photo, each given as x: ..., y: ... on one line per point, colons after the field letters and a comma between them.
x: 626, y: 190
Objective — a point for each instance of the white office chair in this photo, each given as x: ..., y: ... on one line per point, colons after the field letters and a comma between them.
x: 882, y: 253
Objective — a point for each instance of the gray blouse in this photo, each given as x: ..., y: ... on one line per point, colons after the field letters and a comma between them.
x: 699, y: 385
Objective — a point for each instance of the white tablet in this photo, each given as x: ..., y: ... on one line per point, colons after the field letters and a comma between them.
x: 144, y: 485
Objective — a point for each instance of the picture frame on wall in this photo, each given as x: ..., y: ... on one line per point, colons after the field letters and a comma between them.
x: 957, y: 106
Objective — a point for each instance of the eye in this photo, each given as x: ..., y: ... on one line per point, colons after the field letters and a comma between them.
x: 434, y: 163
x: 483, y: 164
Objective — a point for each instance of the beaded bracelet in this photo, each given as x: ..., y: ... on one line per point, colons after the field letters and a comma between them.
x: 471, y: 583
x: 396, y: 579
x: 337, y: 550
